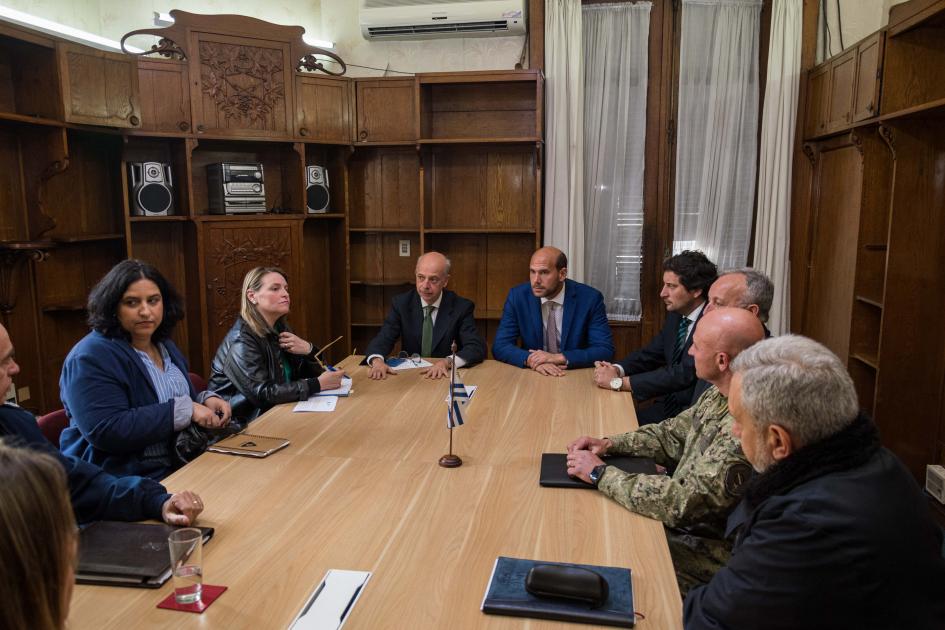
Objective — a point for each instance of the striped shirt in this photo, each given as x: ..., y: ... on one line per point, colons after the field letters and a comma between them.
x: 170, y: 384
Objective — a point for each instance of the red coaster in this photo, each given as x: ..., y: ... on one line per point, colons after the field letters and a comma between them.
x: 208, y: 595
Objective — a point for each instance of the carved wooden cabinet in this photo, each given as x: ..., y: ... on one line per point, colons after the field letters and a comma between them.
x: 165, y: 95
x: 233, y: 246
x: 386, y: 110
x: 98, y: 88
x: 869, y: 62
x: 816, y: 116
x: 840, y: 95
x: 323, y: 109
x: 241, y: 86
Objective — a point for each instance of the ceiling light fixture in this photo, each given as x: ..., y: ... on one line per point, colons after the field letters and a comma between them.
x: 61, y: 30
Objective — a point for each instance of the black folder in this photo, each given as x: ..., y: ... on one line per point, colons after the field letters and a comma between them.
x: 554, y: 469
x: 506, y: 595
x: 112, y: 553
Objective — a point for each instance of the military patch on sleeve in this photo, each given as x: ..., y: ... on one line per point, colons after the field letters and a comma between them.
x: 735, y: 478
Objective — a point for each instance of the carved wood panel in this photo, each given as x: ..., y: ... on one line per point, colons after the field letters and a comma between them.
x: 231, y: 248
x: 98, y: 88
x: 241, y: 86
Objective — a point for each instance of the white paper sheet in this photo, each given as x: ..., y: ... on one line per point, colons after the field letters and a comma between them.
x: 317, y: 403
x: 344, y: 390
x: 407, y: 364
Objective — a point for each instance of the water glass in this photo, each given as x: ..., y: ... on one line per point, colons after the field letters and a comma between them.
x: 186, y: 547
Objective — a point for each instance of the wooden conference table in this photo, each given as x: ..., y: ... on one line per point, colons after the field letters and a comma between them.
x: 359, y: 488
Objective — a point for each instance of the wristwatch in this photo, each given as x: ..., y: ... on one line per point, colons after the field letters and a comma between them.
x: 616, y: 383
x: 597, y: 473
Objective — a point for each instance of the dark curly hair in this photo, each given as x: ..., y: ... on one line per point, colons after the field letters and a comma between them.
x: 695, y: 271
x: 105, y: 296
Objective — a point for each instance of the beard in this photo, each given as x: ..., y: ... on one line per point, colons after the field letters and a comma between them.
x: 763, y: 459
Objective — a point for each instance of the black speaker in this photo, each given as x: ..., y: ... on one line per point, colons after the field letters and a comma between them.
x: 316, y: 189
x: 152, y: 191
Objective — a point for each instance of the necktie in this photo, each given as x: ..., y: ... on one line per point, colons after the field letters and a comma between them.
x: 681, y: 334
x: 551, y: 329
x: 426, y: 339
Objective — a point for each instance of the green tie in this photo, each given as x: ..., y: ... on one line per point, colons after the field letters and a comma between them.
x: 426, y: 340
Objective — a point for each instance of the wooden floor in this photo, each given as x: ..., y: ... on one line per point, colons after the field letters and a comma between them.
x: 360, y: 488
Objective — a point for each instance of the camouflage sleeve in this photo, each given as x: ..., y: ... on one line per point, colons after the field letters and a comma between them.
x: 713, y: 485
x: 663, y: 441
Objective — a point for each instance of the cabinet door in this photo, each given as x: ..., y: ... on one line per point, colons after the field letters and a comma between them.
x: 241, y: 86
x: 842, y: 74
x: 165, y: 95
x: 869, y: 59
x: 323, y: 110
x: 98, y: 88
x: 386, y: 110
x: 230, y: 249
x: 815, y: 122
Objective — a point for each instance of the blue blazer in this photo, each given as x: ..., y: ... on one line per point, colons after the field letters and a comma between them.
x: 113, y: 409
x: 585, y: 333
x: 95, y: 494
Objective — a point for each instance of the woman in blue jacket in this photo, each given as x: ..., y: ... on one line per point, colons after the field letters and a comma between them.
x: 124, y: 386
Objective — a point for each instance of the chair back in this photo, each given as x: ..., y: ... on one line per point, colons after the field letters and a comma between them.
x: 199, y: 382
x: 52, y: 424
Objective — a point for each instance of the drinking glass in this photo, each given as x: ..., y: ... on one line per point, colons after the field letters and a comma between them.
x: 186, y: 547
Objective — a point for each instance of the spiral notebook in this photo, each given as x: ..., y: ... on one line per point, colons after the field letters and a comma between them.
x: 249, y: 445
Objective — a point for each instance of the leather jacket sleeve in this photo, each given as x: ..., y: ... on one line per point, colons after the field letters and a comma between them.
x: 253, y: 369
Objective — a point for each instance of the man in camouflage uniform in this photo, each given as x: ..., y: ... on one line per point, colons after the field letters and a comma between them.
x: 708, y: 465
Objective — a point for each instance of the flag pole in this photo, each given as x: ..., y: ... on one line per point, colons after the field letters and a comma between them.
x: 450, y: 460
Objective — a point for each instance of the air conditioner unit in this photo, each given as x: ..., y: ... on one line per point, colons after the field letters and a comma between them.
x: 428, y: 19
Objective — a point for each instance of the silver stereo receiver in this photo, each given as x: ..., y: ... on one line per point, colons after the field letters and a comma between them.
x: 235, y: 188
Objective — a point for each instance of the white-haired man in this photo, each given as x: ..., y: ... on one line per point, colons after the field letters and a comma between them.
x: 833, y: 532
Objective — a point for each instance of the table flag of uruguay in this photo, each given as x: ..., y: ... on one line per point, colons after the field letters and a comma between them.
x: 459, y: 398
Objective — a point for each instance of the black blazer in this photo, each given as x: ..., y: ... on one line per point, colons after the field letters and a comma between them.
x: 652, y: 373
x: 454, y: 320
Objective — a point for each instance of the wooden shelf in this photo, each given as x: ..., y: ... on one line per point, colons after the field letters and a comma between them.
x: 30, y: 120
x: 325, y: 215
x: 167, y: 219
x: 89, y: 238
x: 372, y: 324
x: 932, y: 109
x: 140, y: 133
x: 508, y: 140
x: 389, y: 143
x: 388, y: 230
x: 381, y: 283
x: 875, y: 247
x: 473, y: 230
x: 488, y: 314
x: 479, y: 76
x: 866, y: 300
x: 68, y: 307
x: 869, y: 361
x: 291, y: 216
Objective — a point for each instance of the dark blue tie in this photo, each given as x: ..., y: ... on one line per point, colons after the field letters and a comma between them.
x: 680, y: 339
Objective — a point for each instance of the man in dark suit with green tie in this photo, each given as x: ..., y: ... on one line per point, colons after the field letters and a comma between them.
x: 427, y: 321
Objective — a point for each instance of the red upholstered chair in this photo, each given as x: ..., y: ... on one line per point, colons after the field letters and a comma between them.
x: 52, y: 425
x: 199, y: 382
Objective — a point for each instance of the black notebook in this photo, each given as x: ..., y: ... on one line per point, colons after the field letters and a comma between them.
x: 506, y: 595
x: 112, y: 553
x: 554, y: 469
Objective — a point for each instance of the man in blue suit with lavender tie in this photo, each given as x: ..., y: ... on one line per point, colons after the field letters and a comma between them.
x: 551, y: 324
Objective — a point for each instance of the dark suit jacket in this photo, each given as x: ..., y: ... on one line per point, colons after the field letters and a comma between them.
x: 652, y: 373
x: 585, y: 333
x: 454, y: 321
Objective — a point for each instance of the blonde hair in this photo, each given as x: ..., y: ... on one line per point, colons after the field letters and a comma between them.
x: 37, y: 538
x: 248, y: 311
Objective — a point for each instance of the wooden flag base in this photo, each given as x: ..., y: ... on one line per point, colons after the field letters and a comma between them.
x: 451, y: 461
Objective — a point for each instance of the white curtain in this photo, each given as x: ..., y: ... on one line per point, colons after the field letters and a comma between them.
x: 776, y: 155
x: 716, y: 148
x: 564, y: 132
x: 615, y: 81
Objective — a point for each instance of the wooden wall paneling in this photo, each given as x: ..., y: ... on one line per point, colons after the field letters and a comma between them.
x: 626, y: 338
x: 869, y: 63
x: 384, y: 105
x: 19, y: 318
x: 469, y: 275
x: 366, y: 257
x: 536, y: 34
x: 44, y: 152
x: 912, y: 346
x: 836, y: 215
x: 241, y: 86
x: 322, y: 110
x: 12, y: 189
x: 818, y: 80
x: 506, y: 261
x: 385, y: 190
x: 165, y: 95
x: 230, y: 249
x: 29, y: 79
x: 873, y: 234
x: 399, y: 267
x: 85, y: 200
x: 323, y: 286
x: 98, y: 87
x: 507, y: 109
x: 840, y: 99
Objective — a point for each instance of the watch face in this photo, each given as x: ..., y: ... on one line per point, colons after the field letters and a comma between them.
x: 616, y: 384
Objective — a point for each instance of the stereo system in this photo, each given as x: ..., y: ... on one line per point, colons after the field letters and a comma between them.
x: 236, y: 188
x: 316, y: 189
x: 151, y: 189
x: 935, y: 482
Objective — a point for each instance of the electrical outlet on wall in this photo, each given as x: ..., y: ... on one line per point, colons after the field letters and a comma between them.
x: 405, y: 247
x: 23, y: 394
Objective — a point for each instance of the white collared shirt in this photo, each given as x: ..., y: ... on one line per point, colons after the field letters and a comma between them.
x: 460, y: 361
